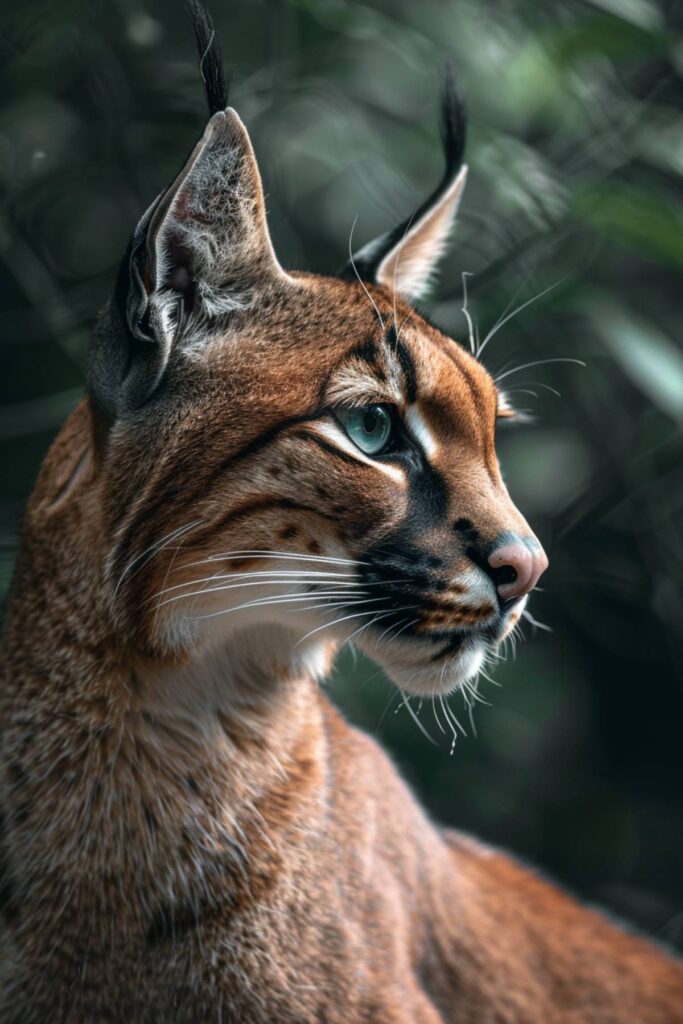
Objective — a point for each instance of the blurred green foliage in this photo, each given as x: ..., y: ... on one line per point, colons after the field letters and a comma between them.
x: 576, y: 157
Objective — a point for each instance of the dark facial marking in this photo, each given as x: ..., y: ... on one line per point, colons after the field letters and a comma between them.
x: 331, y: 449
x: 451, y: 647
x: 151, y: 820
x: 408, y: 369
x: 263, y: 440
x: 20, y: 812
x: 249, y: 508
x: 465, y: 527
x: 402, y: 575
x: 9, y: 904
x: 427, y: 498
x: 170, y: 486
x: 366, y: 351
x: 17, y: 775
x: 242, y: 563
x: 169, y: 922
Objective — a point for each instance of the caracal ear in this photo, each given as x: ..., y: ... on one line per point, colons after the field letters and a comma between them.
x: 410, y: 266
x: 406, y: 257
x: 201, y: 252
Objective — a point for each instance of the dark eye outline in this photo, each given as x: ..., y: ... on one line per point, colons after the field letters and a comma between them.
x: 390, y: 446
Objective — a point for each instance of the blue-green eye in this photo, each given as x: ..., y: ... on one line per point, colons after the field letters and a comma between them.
x: 369, y: 427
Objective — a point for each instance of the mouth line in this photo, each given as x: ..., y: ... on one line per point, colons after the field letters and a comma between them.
x: 455, y: 642
x: 456, y: 645
x: 394, y: 614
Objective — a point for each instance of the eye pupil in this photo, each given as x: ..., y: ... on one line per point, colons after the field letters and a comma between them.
x: 369, y: 427
x: 371, y: 419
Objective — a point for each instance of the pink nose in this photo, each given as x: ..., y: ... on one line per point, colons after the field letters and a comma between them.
x: 516, y: 568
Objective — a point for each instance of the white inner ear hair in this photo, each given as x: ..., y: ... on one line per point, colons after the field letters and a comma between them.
x: 213, y: 220
x: 412, y: 263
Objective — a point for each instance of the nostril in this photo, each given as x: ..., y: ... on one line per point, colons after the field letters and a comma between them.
x: 514, y: 568
x: 504, y: 575
x: 511, y: 569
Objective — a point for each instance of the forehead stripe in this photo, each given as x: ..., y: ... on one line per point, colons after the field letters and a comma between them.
x: 408, y: 368
x: 365, y: 351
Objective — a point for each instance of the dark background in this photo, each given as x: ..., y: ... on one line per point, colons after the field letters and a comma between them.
x: 576, y: 156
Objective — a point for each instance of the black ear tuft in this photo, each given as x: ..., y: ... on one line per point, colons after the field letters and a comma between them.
x: 211, y: 66
x: 453, y: 117
x: 367, y: 263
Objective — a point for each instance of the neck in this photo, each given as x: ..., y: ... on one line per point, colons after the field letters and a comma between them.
x: 135, y: 786
x: 151, y: 780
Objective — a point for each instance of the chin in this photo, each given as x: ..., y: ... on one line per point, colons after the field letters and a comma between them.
x: 426, y: 678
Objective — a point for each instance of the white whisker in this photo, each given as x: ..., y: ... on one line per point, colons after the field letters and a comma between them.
x: 488, y: 678
x: 534, y: 622
x: 451, y: 717
x: 396, y: 634
x: 282, y: 577
x: 538, y: 362
x: 470, y: 326
x: 536, y: 384
x: 281, y: 599
x: 361, y: 282
x: 516, y: 292
x: 408, y: 706
x: 336, y: 622
x: 405, y: 320
x: 454, y: 731
x: 154, y: 549
x: 265, y: 553
x: 434, y: 711
x: 246, y: 580
x: 203, y: 591
x: 506, y: 318
x: 367, y: 625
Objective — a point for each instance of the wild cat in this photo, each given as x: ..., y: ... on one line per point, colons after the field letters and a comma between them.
x: 266, y: 463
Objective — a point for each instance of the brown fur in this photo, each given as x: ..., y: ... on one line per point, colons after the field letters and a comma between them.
x: 192, y: 833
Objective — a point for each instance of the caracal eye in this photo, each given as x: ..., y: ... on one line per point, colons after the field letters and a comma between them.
x: 369, y: 427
